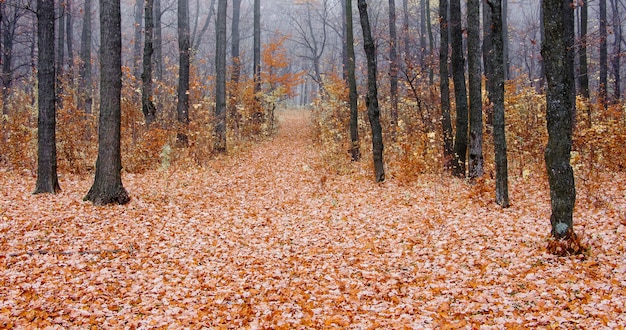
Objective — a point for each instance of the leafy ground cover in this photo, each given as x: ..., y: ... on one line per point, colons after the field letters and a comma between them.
x: 271, y: 238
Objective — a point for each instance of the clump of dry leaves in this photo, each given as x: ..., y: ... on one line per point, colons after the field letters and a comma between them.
x: 273, y: 238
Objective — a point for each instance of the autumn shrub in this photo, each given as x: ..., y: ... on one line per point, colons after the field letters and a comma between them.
x: 18, y: 150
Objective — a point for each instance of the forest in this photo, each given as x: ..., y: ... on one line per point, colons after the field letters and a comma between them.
x: 312, y: 164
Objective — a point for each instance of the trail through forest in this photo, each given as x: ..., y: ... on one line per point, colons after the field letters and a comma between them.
x: 270, y: 237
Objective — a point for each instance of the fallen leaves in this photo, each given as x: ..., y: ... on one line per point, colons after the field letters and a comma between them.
x: 270, y: 238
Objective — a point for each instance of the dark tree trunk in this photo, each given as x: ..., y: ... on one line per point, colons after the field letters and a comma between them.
x: 137, y: 40
x: 69, y: 33
x: 617, y: 51
x: 60, y: 56
x: 355, y: 147
x: 431, y: 44
x: 344, y: 45
x: 487, y: 54
x: 107, y: 187
x: 220, y: 84
x: 147, y: 105
x: 542, y: 67
x: 505, y: 38
x: 497, y: 98
x: 182, y: 107
x: 444, y: 82
x: 256, y: 61
x: 157, y: 56
x: 475, y: 89
x: 84, y: 70
x: 373, y: 111
x: 582, y: 51
x: 460, y: 91
x: 235, y: 41
x: 47, y: 180
x: 559, y: 61
x: 393, y: 68
x: 602, y: 95
x: 8, y: 34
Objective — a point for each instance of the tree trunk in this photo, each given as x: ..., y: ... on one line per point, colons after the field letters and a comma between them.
x: 582, y: 51
x: 256, y: 61
x: 233, y: 118
x: 497, y: 98
x: 505, y: 38
x: 393, y: 69
x: 475, y: 89
x: 107, y: 187
x: 460, y: 92
x: 617, y: 51
x: 147, y: 106
x: 220, y: 84
x: 602, y: 95
x: 205, y: 27
x: 405, y: 29
x: 431, y: 45
x: 422, y: 34
x: 157, y: 56
x: 69, y: 32
x: 137, y: 40
x: 355, y: 147
x: 444, y: 83
x: 84, y: 70
x: 373, y: 111
x: 8, y: 34
x: 60, y: 58
x: 559, y: 62
x: 47, y: 180
x: 487, y: 54
x: 182, y: 107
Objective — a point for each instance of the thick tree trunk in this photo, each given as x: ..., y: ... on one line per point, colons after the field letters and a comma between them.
x: 355, y: 147
x: 147, y: 106
x: 182, y: 107
x: 373, y: 111
x: 107, y: 187
x: 497, y: 98
x: 444, y: 83
x: 460, y: 91
x: 475, y: 89
x: 559, y: 61
x: 220, y: 84
x: 47, y: 180
x: 84, y: 70
x: 602, y: 94
x: 582, y: 51
x: 393, y: 69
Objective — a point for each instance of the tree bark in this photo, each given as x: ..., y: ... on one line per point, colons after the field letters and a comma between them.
x: 487, y: 53
x: 47, y: 179
x: 147, y: 105
x: 107, y: 187
x: 137, y: 40
x: 235, y: 37
x: 84, y: 69
x: 497, y: 98
x: 355, y: 148
x: 393, y: 69
x: 69, y: 33
x: 220, y: 84
x: 460, y: 91
x: 60, y: 50
x: 559, y: 62
x: 602, y: 94
x: 157, y: 56
x: 444, y: 83
x: 505, y: 38
x: 475, y: 89
x: 582, y: 51
x: 373, y: 111
x: 182, y: 107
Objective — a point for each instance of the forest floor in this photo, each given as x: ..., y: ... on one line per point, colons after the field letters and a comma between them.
x: 270, y: 238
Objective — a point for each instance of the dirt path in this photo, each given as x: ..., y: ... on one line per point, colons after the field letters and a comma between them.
x: 260, y: 240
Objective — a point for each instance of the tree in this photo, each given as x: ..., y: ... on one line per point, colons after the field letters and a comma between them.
x: 475, y: 90
x: 256, y: 60
x: 582, y: 51
x: 460, y: 92
x: 157, y: 56
x: 107, y: 187
x: 355, y: 148
x: 69, y: 33
x: 234, y: 34
x: 444, y: 82
x: 559, y: 63
x: 496, y: 95
x: 47, y: 179
x: 393, y: 68
x: 617, y: 50
x: 60, y: 58
x: 220, y: 84
x: 602, y: 94
x: 182, y: 107
x: 371, y: 100
x: 84, y: 69
x: 137, y: 40
x: 147, y: 106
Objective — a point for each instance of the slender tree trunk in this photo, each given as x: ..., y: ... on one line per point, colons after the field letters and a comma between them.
x: 475, y: 89
x: 393, y: 68
x: 107, y: 187
x: 147, y: 105
x: 182, y: 107
x: 602, y: 95
x: 505, y: 37
x: 582, y: 51
x: 431, y: 45
x: 344, y: 44
x: 157, y: 56
x: 205, y: 27
x: 422, y: 34
x: 460, y: 91
x: 220, y: 84
x: 444, y: 83
x: 373, y: 111
x: 256, y: 61
x: 405, y: 29
x: 487, y: 54
x: 84, y: 70
x: 236, y: 60
x: 47, y: 180
x: 559, y: 62
x: 355, y: 149
x: 617, y: 51
x: 137, y: 40
x: 496, y: 95
x: 7, y: 55
x: 69, y: 32
x: 542, y: 67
